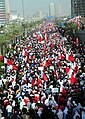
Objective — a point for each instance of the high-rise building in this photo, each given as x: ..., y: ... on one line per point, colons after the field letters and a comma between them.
x: 2, y: 12
x: 7, y: 10
x: 57, y: 10
x: 37, y: 15
x: 77, y: 8
x: 51, y: 9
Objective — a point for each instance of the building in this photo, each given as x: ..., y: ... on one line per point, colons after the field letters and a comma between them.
x: 51, y: 9
x: 77, y: 8
x: 2, y: 12
x: 37, y: 15
x: 57, y: 10
x: 7, y: 10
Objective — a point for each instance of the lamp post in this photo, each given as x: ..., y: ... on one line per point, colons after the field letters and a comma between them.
x: 23, y: 9
x: 23, y: 24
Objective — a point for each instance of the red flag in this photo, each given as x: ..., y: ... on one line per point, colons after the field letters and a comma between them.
x: 36, y: 97
x: 26, y: 53
x: 62, y: 56
x: 67, y: 70
x: 44, y: 47
x: 9, y: 62
x: 14, y: 67
x: 26, y: 100
x: 59, y: 65
x: 35, y: 35
x: 12, y: 80
x: 6, y: 102
x: 73, y: 80
x: 59, y: 44
x: 39, y: 81
x: 71, y: 58
x: 33, y: 82
x: 45, y: 77
x: 46, y: 37
x: 54, y: 72
x: 31, y: 57
x: 1, y: 58
x: 54, y: 35
x: 29, y: 47
x: 77, y: 40
x: 47, y: 63
x: 76, y: 68
x: 64, y: 91
x: 50, y: 60
x: 40, y: 39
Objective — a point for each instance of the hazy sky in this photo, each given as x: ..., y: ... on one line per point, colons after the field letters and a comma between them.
x: 31, y: 6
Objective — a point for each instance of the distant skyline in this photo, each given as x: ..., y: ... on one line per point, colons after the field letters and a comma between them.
x: 31, y: 6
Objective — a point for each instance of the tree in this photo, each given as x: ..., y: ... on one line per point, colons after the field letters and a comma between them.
x: 72, y: 27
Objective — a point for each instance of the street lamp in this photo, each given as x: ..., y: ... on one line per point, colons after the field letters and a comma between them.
x: 23, y: 9
x: 23, y: 23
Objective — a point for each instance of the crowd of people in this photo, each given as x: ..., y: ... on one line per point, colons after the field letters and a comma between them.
x: 44, y: 76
